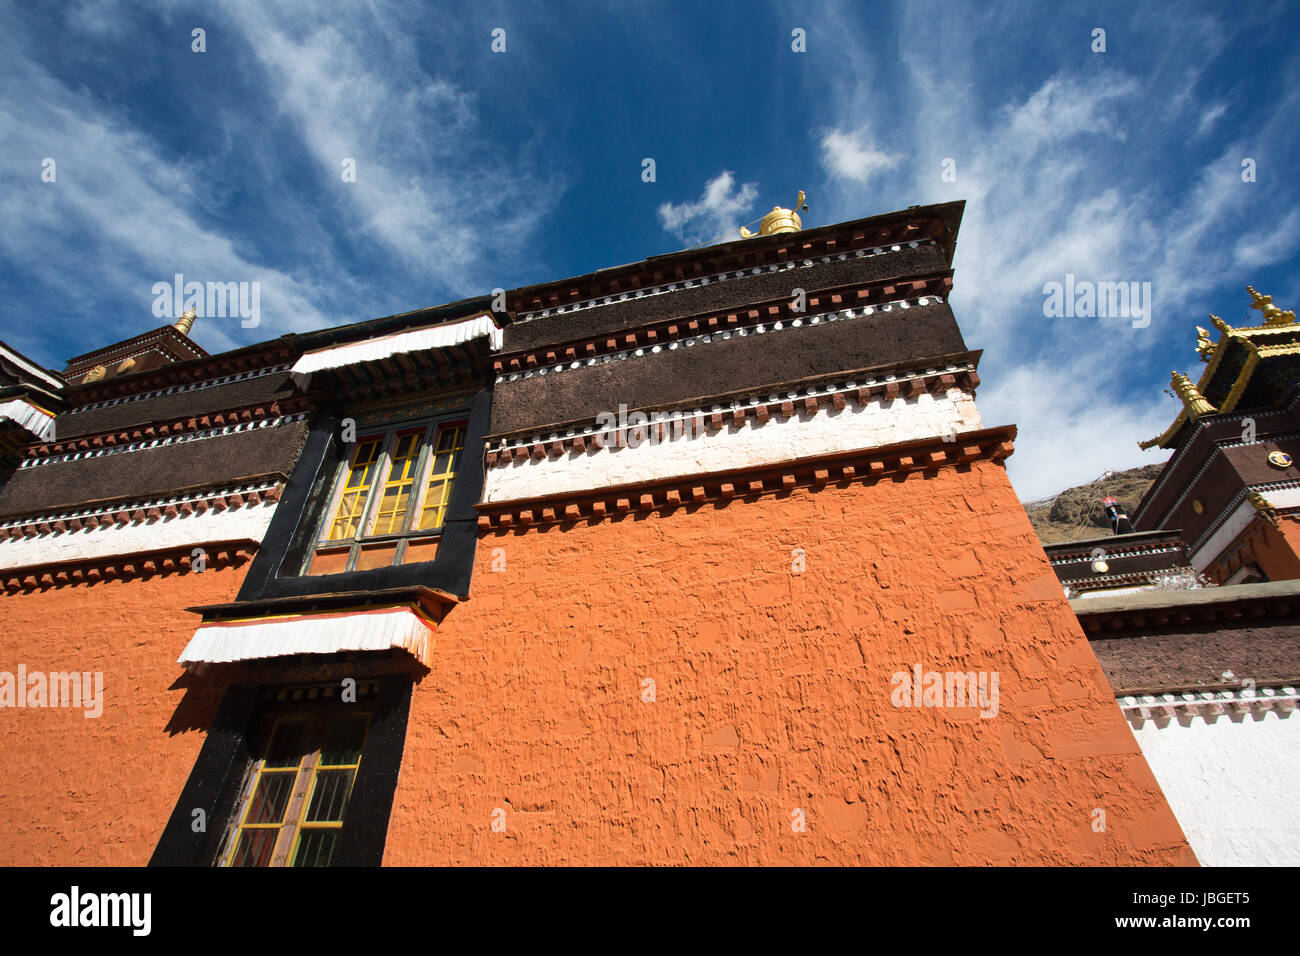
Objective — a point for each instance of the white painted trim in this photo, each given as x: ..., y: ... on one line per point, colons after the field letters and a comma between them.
x: 416, y: 340
x: 248, y: 523
x: 855, y: 427
x: 378, y: 630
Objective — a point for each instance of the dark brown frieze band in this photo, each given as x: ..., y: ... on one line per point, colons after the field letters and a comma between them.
x: 681, y: 328
x: 834, y: 396
x: 736, y: 255
x: 247, y: 494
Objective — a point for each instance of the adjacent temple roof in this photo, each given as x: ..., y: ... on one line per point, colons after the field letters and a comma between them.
x: 1253, y: 366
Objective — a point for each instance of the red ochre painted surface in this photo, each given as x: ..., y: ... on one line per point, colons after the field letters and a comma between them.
x: 98, y: 791
x: 773, y: 694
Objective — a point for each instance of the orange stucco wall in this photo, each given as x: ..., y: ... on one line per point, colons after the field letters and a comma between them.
x: 773, y: 694
x: 98, y: 791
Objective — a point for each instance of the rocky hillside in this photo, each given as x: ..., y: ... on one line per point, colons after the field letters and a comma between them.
x: 1077, y: 512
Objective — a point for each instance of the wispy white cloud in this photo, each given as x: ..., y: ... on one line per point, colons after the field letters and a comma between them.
x: 1065, y: 172
x: 1209, y: 116
x: 439, y: 208
x: 720, y: 210
x: 852, y: 155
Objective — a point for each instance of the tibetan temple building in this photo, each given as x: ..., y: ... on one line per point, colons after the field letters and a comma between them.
x: 705, y: 559
x: 1193, y: 605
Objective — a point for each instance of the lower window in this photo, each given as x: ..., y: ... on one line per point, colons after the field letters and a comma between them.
x: 295, y: 795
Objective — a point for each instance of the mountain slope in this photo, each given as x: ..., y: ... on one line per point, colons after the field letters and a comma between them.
x: 1077, y: 512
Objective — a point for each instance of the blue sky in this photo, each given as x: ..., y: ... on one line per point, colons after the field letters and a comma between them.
x: 478, y: 170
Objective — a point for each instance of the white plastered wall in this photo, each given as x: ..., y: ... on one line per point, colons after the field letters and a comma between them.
x: 853, y: 428
x: 240, y: 524
x: 1232, y: 781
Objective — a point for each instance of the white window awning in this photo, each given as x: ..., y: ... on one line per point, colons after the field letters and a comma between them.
x: 28, y: 417
x: 365, y: 629
x: 416, y: 340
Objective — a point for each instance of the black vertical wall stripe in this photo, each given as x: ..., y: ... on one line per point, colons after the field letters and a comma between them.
x: 213, y: 784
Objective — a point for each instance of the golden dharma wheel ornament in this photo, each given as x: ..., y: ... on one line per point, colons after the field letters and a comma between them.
x: 779, y: 219
x: 1279, y: 459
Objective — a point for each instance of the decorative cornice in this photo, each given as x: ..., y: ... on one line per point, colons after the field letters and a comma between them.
x: 163, y: 333
x: 827, y: 395
x: 264, y: 357
x: 1128, y: 578
x: 1166, y: 704
x: 938, y: 222
x: 246, y: 423
x: 869, y: 465
x: 727, y: 276
x: 219, y: 554
x: 1132, y: 552
x: 719, y: 326
x: 222, y: 498
x: 170, y: 429
x: 1217, y: 605
x: 190, y: 387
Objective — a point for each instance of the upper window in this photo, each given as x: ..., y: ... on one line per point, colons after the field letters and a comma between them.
x: 390, y: 498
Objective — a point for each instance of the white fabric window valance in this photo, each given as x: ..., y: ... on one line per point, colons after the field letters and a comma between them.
x: 416, y: 340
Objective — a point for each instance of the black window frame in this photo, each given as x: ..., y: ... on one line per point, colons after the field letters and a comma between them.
x: 275, y: 571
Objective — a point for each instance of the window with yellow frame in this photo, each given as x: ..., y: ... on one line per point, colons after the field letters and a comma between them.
x: 296, y: 793
x: 392, y: 492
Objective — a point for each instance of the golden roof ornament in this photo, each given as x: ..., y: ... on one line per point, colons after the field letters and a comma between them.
x: 185, y: 322
x: 1203, y: 344
x: 1219, y: 324
x: 1262, y: 505
x: 1193, y: 401
x: 94, y: 375
x: 779, y: 219
x: 1272, y: 314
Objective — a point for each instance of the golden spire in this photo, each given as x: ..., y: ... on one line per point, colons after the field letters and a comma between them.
x: 1193, y: 401
x: 185, y: 322
x: 779, y: 219
x: 1272, y: 314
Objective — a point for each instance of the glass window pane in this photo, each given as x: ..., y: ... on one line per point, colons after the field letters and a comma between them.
x: 271, y: 797
x: 343, y: 742
x: 288, y: 744
x: 356, y: 488
x: 254, y: 847
x: 315, y: 847
x: 329, y: 797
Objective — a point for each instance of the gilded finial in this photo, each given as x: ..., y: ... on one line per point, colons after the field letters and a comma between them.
x: 1193, y: 401
x: 779, y: 219
x: 1203, y: 344
x: 186, y: 321
x: 1272, y: 314
x: 1219, y: 324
